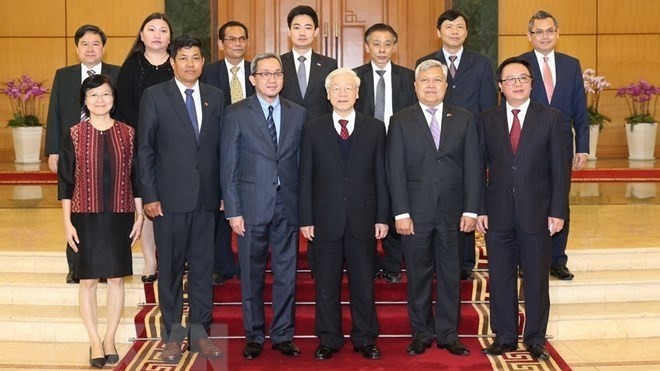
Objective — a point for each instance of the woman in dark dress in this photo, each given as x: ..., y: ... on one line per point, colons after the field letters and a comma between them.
x: 102, y: 211
x: 147, y: 64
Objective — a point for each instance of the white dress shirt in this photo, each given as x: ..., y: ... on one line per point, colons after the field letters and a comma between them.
x: 196, y: 97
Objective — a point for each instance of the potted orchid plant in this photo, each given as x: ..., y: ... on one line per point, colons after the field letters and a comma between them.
x: 25, y: 96
x: 642, y: 99
x: 593, y: 86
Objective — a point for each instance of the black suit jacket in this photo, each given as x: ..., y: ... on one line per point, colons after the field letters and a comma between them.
x: 525, y: 189
x: 174, y: 168
x: 423, y: 178
x: 568, y: 97
x: 403, y: 88
x: 333, y: 194
x: 473, y: 88
x: 216, y: 74
x: 64, y: 106
x: 316, y: 97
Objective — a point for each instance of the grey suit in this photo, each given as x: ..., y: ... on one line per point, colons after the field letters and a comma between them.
x: 183, y: 174
x: 260, y: 183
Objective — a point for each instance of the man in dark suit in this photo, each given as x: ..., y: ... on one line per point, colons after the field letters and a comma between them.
x: 559, y: 84
x: 470, y: 87
x: 64, y: 108
x: 232, y: 75
x: 380, y: 97
x: 178, y: 156
x: 433, y: 173
x: 524, y: 202
x: 343, y: 205
x: 259, y: 174
x: 305, y: 72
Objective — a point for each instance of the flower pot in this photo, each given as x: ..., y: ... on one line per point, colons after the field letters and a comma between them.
x: 594, y: 130
x: 641, y: 140
x: 27, y: 144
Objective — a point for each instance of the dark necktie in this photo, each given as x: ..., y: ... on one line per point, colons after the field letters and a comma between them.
x: 83, y: 115
x: 344, y: 131
x: 379, y: 108
x: 452, y: 66
x: 271, y: 126
x: 192, y: 113
x: 514, y: 135
x: 302, y: 76
x: 435, y: 127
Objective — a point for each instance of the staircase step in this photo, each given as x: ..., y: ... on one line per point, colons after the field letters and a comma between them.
x: 57, y: 323
x: 607, y: 286
x: 604, y: 320
x: 48, y: 289
x: 47, y: 262
x: 614, y: 259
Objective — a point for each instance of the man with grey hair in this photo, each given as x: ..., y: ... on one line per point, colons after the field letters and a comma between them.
x: 433, y: 174
x: 259, y: 177
x: 344, y: 208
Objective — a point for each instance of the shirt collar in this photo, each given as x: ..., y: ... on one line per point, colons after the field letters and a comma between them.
x: 388, y: 68
x: 97, y: 69
x: 182, y: 88
x: 458, y: 55
x: 264, y: 104
x: 539, y: 56
x: 523, y: 107
x: 307, y: 55
x: 350, y: 117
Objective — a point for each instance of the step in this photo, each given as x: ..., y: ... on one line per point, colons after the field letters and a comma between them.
x: 57, y: 323
x: 49, y: 289
x: 613, y: 259
x: 47, y: 355
x: 607, y: 286
x: 48, y: 262
x: 604, y: 320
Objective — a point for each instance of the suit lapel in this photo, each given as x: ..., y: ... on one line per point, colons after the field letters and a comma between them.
x: 528, y: 126
x: 257, y: 116
x: 291, y: 78
x: 285, y: 117
x: 315, y: 73
x: 179, y: 106
x: 396, y: 88
x: 537, y: 84
x: 423, y: 126
x: 502, y: 127
x: 330, y: 136
x: 206, y: 112
x: 466, y: 64
x: 368, y: 81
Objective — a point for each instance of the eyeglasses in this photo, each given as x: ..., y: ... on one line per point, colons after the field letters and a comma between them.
x: 511, y: 81
x: 540, y: 33
x: 232, y: 39
x: 97, y: 95
x: 268, y: 75
x: 347, y: 89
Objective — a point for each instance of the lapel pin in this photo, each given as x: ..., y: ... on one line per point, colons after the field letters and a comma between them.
x: 206, y: 104
x: 449, y: 115
x: 318, y: 64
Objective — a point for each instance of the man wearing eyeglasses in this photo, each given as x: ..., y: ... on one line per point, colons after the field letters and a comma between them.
x: 559, y: 84
x: 259, y: 177
x: 344, y: 209
x: 524, y: 203
x: 232, y: 76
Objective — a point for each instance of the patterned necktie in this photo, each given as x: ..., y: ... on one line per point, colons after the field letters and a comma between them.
x: 235, y: 86
x: 452, y: 66
x: 83, y: 115
x: 271, y: 126
x: 192, y: 113
x: 514, y: 135
x: 302, y: 76
x: 547, y: 79
x: 435, y: 127
x: 344, y: 131
x: 379, y: 108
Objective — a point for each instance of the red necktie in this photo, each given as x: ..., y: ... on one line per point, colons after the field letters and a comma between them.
x: 344, y: 131
x: 514, y: 135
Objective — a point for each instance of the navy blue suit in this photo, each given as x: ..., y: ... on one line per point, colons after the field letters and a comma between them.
x: 569, y: 98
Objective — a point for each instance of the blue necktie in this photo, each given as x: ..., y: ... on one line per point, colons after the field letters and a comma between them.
x: 192, y: 113
x: 271, y: 126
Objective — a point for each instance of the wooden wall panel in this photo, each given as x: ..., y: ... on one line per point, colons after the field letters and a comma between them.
x: 628, y: 58
x: 116, y: 18
x: 419, y: 30
x: 628, y: 17
x: 39, y: 18
x: 575, y: 16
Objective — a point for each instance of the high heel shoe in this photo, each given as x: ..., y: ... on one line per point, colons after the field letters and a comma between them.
x: 150, y: 278
x: 111, y: 359
x: 96, y: 362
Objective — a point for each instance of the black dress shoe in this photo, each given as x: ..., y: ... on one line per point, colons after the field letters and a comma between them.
x: 497, y: 348
x: 252, y: 350
x: 96, y: 362
x: 370, y: 351
x: 149, y: 279
x: 288, y: 348
x: 171, y: 353
x: 538, y: 352
x: 467, y: 275
x: 220, y: 279
x: 70, y: 279
x: 324, y: 352
x: 392, y: 277
x: 455, y: 347
x: 561, y: 272
x: 417, y: 347
x: 112, y: 358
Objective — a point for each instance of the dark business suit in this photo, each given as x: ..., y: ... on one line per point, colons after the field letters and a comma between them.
x: 343, y: 195
x: 434, y: 186
x: 64, y: 112
x: 216, y: 74
x: 521, y: 192
x: 473, y: 89
x: 568, y: 97
x: 403, y: 95
x: 260, y: 184
x: 316, y: 97
x: 183, y: 174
